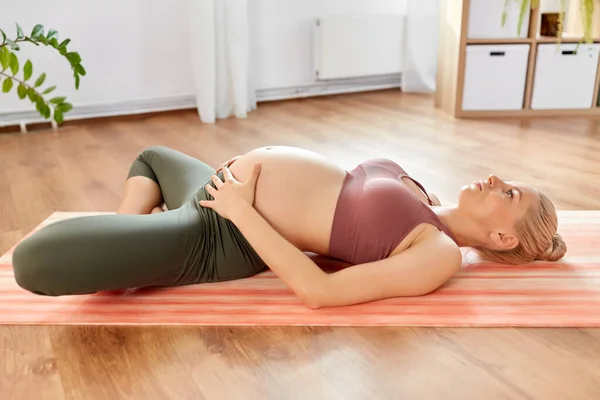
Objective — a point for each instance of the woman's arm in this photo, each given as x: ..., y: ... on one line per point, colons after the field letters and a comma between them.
x: 295, y: 268
x: 417, y: 271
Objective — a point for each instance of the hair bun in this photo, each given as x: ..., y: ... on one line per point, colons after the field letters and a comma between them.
x: 556, y: 250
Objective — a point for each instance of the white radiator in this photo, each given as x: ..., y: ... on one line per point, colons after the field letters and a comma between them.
x: 356, y: 46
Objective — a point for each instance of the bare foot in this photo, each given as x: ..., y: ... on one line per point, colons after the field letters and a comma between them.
x: 156, y: 210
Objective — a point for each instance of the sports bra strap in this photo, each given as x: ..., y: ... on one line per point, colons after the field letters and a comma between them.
x: 431, y: 203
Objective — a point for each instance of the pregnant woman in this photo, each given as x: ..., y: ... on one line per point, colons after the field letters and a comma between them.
x: 269, y: 207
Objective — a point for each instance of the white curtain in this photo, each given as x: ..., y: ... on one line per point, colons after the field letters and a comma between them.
x: 422, y: 29
x: 219, y: 46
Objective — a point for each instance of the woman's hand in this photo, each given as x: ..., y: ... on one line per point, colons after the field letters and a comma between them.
x: 227, y: 163
x: 231, y: 196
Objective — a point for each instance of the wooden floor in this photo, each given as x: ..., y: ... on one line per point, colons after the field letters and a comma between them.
x: 82, y: 167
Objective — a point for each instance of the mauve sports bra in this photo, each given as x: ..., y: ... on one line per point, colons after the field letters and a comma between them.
x: 375, y: 211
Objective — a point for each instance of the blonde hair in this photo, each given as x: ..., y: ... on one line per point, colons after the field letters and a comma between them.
x: 538, y: 239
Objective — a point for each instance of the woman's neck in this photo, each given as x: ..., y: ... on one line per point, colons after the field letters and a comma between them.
x: 461, y: 227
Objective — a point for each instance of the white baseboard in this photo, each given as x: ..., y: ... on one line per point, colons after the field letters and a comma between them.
x: 324, y: 88
x: 142, y: 106
x: 112, y: 109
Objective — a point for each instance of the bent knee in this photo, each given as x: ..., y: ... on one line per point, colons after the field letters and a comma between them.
x: 145, y: 162
x: 152, y: 151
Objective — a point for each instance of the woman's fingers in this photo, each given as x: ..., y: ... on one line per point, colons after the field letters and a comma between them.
x: 227, y: 163
x: 227, y: 173
x: 232, y: 160
x: 254, y: 177
x: 217, y: 181
x: 206, y: 203
x: 211, y: 190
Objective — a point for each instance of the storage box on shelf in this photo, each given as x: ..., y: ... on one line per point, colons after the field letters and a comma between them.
x: 486, y: 70
x: 552, y: 90
x: 495, y: 76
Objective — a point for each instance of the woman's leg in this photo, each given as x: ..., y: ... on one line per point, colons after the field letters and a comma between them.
x: 140, y: 196
x: 109, y: 252
x: 161, y: 168
x: 176, y: 175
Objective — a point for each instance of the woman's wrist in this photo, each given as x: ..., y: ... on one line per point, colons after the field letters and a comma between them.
x: 238, y: 214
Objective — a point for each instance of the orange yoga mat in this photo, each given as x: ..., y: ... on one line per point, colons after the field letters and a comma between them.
x: 566, y: 293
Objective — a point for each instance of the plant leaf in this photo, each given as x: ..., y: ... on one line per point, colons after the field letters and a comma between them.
x: 39, y: 105
x: 524, y: 8
x: 22, y: 91
x: 42, y: 39
x: 47, y: 111
x: 52, y: 34
x: 58, y: 100
x: 50, y: 89
x: 58, y: 116
x: 54, y: 43
x: 40, y: 81
x: 7, y: 85
x: 14, y: 64
x: 62, y: 47
x: 64, y: 107
x: 13, y: 45
x: 37, y: 30
x: 79, y: 69
x: 4, y: 57
x: 73, y: 58
x: 76, y: 81
x: 32, y: 95
x: 3, y: 36
x: 20, y: 34
x: 27, y: 70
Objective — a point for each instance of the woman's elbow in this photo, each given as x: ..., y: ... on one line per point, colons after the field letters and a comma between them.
x: 312, y: 303
x: 310, y: 300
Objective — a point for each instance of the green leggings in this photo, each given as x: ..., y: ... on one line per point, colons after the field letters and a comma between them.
x: 188, y: 244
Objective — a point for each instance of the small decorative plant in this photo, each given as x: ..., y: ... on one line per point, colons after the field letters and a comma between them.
x: 586, y: 8
x: 18, y: 75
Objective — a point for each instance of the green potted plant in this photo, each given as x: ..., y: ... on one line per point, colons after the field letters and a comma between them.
x: 586, y: 11
x: 20, y: 77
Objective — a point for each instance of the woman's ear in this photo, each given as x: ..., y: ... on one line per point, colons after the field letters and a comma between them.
x: 504, y: 241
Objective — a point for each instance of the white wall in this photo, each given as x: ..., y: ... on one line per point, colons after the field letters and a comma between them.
x: 136, y: 51
x: 282, y: 31
x: 132, y: 49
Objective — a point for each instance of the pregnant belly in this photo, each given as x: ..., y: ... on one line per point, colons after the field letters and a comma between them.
x: 296, y: 193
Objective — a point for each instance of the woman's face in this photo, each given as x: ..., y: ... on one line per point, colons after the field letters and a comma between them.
x: 496, y: 205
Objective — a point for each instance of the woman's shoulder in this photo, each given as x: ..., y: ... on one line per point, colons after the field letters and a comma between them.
x: 434, y: 239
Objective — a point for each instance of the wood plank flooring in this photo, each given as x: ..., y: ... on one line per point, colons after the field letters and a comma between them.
x: 82, y: 167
